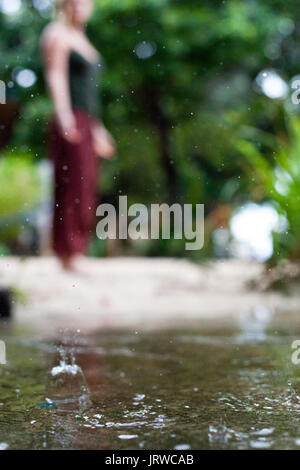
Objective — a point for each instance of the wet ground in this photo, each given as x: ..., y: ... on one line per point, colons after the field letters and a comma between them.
x: 229, y: 386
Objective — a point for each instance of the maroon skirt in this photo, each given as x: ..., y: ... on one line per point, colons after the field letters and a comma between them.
x: 75, y: 174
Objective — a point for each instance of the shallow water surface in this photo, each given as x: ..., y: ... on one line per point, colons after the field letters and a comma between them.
x: 207, y: 388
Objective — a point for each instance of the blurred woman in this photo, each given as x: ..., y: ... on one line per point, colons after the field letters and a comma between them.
x: 76, y: 135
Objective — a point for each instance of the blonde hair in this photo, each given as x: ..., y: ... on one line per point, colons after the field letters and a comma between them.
x: 60, y: 11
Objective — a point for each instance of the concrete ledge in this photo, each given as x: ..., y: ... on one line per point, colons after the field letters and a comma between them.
x: 135, y: 293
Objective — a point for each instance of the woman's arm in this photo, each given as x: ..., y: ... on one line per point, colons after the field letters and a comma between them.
x: 56, y: 55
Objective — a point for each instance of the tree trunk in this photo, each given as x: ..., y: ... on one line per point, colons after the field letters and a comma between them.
x: 151, y: 102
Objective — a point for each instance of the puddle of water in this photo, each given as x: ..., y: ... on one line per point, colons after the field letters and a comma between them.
x: 209, y: 388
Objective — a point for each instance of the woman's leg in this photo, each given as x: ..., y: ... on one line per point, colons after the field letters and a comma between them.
x: 75, y: 177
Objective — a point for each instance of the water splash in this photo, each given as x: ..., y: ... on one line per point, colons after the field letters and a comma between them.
x: 292, y: 399
x: 219, y: 434
x: 65, y: 368
x: 66, y: 382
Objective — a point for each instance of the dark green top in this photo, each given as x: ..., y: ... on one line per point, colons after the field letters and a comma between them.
x: 84, y: 84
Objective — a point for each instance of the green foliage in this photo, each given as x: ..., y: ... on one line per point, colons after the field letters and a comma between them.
x: 19, y: 182
x: 276, y: 174
x: 20, y: 193
x: 176, y: 114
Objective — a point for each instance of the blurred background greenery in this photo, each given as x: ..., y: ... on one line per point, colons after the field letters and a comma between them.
x: 198, y: 97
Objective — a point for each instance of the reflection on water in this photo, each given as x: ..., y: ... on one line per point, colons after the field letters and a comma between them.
x: 254, y: 323
x: 217, y: 388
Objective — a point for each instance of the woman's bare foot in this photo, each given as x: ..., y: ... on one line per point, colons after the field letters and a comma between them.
x: 67, y: 263
x: 78, y: 264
